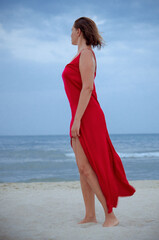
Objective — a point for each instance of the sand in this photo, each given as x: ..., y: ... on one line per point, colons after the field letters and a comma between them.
x: 51, y: 211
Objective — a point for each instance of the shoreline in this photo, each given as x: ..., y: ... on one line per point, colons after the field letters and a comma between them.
x: 51, y: 211
x: 76, y: 184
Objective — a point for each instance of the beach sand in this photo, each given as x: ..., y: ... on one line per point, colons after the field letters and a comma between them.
x: 51, y: 211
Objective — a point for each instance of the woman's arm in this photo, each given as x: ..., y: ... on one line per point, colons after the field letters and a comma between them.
x: 86, y: 66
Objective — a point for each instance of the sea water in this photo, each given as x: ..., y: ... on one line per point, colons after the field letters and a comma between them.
x: 51, y: 158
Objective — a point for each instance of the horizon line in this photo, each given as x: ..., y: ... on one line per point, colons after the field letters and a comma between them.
x: 64, y: 134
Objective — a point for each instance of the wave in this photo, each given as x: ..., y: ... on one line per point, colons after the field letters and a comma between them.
x: 70, y: 155
x: 139, y: 155
x: 128, y: 155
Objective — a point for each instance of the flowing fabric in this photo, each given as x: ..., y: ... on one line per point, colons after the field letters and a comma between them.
x: 95, y: 140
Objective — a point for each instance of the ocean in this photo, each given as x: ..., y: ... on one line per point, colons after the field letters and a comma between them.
x: 51, y: 158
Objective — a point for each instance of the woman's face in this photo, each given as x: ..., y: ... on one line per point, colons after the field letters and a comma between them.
x: 74, y: 35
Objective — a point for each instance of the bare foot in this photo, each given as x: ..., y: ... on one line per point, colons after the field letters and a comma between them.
x: 111, y: 221
x: 88, y: 219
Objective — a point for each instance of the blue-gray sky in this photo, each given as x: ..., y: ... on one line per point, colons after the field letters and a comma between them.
x: 35, y: 46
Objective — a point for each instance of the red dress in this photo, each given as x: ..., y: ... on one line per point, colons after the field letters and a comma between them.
x: 95, y: 140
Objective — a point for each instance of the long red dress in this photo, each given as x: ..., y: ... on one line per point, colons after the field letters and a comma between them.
x: 95, y: 140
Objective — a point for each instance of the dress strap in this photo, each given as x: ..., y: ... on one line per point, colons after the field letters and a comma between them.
x: 93, y: 55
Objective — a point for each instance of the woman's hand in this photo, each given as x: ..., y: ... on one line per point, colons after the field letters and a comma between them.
x: 75, y: 128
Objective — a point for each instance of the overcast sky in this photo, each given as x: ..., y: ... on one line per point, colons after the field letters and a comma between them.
x: 35, y: 46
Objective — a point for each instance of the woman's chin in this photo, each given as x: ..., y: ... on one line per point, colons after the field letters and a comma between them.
x: 73, y: 43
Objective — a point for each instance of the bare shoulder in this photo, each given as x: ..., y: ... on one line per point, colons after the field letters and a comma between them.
x: 87, y: 57
x: 86, y: 53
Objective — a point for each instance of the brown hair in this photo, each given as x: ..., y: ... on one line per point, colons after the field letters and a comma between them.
x: 90, y: 31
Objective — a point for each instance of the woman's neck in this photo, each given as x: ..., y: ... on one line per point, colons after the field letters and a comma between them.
x: 82, y: 46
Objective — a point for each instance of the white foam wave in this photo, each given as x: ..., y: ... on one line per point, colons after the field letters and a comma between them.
x: 128, y: 155
x: 139, y: 155
x: 72, y: 155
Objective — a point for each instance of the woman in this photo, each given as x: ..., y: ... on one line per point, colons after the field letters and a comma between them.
x: 100, y: 167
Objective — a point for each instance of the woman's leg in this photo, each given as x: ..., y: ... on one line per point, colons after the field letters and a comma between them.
x: 89, y: 200
x: 88, y: 196
x: 86, y: 170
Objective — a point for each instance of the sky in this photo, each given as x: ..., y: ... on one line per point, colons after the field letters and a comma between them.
x: 35, y: 46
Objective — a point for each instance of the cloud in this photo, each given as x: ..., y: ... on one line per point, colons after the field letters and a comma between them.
x: 22, y: 44
x: 29, y: 35
x: 97, y: 21
x: 34, y: 36
x: 40, y: 42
